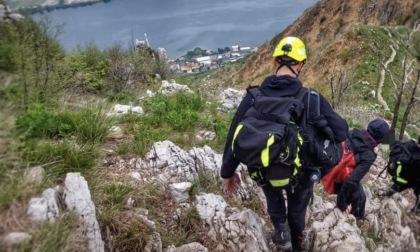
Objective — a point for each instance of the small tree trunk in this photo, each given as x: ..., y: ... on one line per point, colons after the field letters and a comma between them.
x: 399, y: 96
x: 410, y: 105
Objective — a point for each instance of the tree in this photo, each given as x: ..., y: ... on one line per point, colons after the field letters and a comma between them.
x: 339, y: 83
x: 411, y: 104
x: 198, y: 51
x: 408, y: 66
x: 119, y: 68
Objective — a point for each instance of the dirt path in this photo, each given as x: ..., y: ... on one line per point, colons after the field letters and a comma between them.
x: 381, y: 100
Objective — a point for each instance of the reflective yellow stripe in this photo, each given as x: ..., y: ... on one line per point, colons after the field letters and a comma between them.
x: 254, y: 175
x: 297, y: 159
x: 236, y: 133
x: 265, y: 154
x: 279, y: 182
x: 399, y: 169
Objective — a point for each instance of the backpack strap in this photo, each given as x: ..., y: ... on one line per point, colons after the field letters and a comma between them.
x: 254, y: 91
x: 313, y: 104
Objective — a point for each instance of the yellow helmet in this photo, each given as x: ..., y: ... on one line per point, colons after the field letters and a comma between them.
x: 292, y: 47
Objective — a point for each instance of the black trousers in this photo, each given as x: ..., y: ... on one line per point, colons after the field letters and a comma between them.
x: 357, y: 200
x: 293, y: 208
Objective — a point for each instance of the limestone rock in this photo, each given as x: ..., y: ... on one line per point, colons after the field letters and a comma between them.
x: 180, y: 191
x: 77, y: 198
x: 44, y: 208
x: 14, y: 238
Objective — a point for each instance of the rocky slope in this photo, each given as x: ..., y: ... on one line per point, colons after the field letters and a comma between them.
x: 321, y: 26
x: 187, y: 196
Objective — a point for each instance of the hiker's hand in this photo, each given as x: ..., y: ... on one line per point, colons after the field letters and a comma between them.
x: 232, y: 183
x: 347, y: 211
x: 389, y: 192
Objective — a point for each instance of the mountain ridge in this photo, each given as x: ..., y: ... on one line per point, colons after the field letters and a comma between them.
x: 320, y: 25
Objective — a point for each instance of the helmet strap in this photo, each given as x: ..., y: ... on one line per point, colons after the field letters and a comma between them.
x: 288, y: 64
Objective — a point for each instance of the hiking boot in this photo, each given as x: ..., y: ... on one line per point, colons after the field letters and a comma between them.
x: 362, y: 220
x: 298, y: 245
x: 281, y: 237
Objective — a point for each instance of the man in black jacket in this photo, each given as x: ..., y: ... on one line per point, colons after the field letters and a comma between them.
x: 362, y: 142
x: 408, y: 173
x: 290, y: 57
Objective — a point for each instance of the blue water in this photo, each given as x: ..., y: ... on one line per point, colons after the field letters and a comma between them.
x: 177, y: 25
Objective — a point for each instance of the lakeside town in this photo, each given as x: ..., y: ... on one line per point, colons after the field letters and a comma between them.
x: 199, y: 59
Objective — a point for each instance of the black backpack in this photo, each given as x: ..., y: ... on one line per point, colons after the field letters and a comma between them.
x: 319, y: 151
x: 399, y: 155
x: 275, y: 130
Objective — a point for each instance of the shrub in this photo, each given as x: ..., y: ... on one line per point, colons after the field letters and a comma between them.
x: 37, y: 122
x: 180, y: 111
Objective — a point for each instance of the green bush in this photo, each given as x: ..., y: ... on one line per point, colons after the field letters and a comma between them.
x: 91, y: 65
x: 183, y: 120
x: 37, y: 122
x: 180, y: 111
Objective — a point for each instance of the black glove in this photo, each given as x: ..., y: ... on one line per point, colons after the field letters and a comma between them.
x: 321, y: 123
x: 342, y: 196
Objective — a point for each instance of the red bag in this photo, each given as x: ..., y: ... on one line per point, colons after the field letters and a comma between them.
x: 340, y: 172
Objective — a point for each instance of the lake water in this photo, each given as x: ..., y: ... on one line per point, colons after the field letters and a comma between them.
x: 177, y: 25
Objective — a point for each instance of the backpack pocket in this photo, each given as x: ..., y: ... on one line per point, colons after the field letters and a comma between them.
x: 259, y: 143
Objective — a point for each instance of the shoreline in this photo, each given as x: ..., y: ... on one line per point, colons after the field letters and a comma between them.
x: 48, y: 8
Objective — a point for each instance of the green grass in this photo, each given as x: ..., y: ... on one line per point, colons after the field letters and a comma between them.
x: 123, y: 230
x: 117, y: 194
x: 11, y: 187
x: 205, y: 183
x: 55, y: 236
x: 92, y: 125
x: 66, y: 157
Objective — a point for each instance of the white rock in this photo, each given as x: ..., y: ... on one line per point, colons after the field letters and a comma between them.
x: 119, y: 109
x: 115, y: 132
x: 44, y: 208
x: 173, y: 87
x: 15, y: 238
x: 77, y: 198
x: 180, y: 191
x: 190, y: 247
x: 135, y: 175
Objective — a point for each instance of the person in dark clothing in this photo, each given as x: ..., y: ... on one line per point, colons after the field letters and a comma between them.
x: 362, y: 142
x: 408, y: 174
x: 289, y: 222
